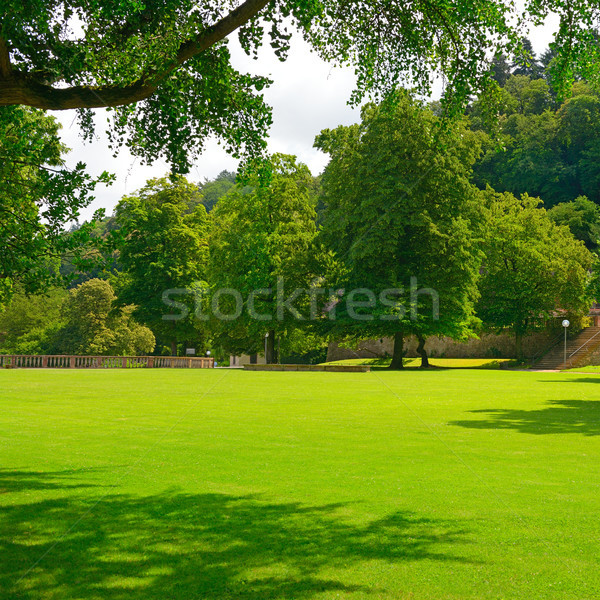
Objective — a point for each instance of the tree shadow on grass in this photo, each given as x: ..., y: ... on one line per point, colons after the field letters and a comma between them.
x: 592, y: 379
x: 205, y: 546
x: 560, y: 416
x: 20, y: 481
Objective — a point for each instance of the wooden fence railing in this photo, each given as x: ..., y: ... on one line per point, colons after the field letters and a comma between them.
x: 61, y: 361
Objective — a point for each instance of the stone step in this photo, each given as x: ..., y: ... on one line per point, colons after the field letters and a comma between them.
x: 554, y: 359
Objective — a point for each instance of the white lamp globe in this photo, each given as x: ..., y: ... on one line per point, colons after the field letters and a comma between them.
x: 566, y: 323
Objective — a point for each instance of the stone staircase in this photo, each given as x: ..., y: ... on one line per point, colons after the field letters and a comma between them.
x: 579, y: 347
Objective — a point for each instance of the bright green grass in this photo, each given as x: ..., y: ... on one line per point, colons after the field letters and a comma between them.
x: 588, y: 369
x: 177, y: 484
x: 453, y: 363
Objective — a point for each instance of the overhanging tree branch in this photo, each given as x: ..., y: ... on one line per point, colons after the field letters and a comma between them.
x: 19, y: 88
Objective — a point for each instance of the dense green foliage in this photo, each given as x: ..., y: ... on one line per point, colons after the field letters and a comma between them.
x: 263, y: 246
x: 39, y: 198
x: 395, y: 249
x: 84, y: 321
x: 166, y: 72
x: 549, y: 150
x: 532, y: 267
x: 396, y: 211
x: 164, y: 246
x: 28, y: 322
x: 582, y: 217
x: 165, y: 69
x: 400, y: 213
x: 213, y: 485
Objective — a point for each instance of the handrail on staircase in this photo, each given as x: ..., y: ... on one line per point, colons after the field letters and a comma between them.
x: 582, y: 345
x: 539, y: 355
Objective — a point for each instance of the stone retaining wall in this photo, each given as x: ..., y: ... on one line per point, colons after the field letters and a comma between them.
x: 487, y: 346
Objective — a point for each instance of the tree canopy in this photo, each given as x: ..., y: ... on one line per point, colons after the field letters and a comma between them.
x: 263, y: 247
x: 532, y: 267
x: 549, y: 149
x: 84, y: 320
x: 95, y: 326
x: 164, y: 246
x: 165, y: 69
x: 39, y: 199
x: 582, y: 217
x: 400, y: 212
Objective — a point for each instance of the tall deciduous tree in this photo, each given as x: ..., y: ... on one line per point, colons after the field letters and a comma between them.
x: 163, y: 253
x: 95, y: 326
x: 263, y: 248
x: 532, y: 267
x: 39, y: 197
x: 400, y: 211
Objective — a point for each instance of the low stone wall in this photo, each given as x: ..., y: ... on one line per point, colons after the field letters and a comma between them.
x: 487, y: 346
x: 332, y: 368
x: 64, y: 361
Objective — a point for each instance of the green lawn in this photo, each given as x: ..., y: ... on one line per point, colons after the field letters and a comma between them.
x: 218, y: 484
x: 588, y: 369
x: 444, y: 363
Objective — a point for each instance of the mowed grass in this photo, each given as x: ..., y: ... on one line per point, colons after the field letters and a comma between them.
x: 177, y: 484
x: 443, y: 363
x: 588, y: 369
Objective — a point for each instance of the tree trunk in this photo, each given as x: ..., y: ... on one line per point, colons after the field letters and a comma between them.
x: 173, y: 347
x: 271, y: 357
x: 519, y: 345
x: 421, y: 350
x: 398, y: 351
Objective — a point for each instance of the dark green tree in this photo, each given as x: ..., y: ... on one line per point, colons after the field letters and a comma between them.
x: 263, y: 248
x: 532, y: 267
x: 582, y: 217
x: 525, y: 62
x: 163, y: 254
x: 400, y: 212
x: 500, y: 69
x: 39, y: 198
x: 551, y: 153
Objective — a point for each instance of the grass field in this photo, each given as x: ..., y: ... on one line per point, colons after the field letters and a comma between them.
x: 224, y: 484
x: 444, y: 363
x: 588, y: 369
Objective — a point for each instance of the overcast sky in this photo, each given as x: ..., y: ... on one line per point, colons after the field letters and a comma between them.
x: 307, y: 96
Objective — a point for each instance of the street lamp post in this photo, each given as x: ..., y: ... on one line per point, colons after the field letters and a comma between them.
x: 266, y: 337
x: 565, y: 325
